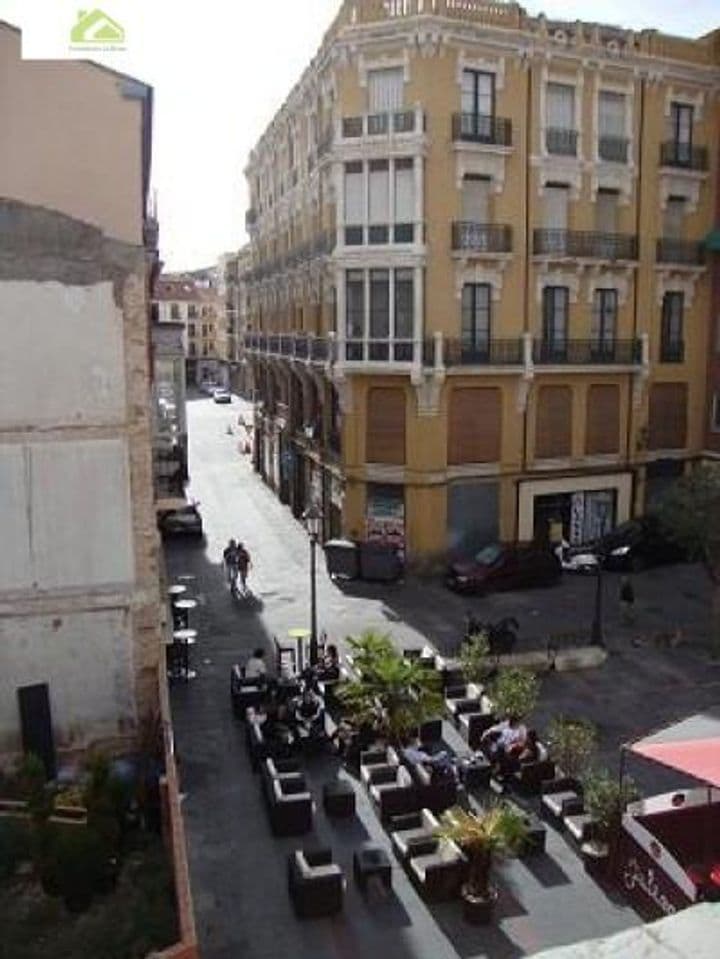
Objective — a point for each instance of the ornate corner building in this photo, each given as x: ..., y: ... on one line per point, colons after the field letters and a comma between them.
x: 479, y: 299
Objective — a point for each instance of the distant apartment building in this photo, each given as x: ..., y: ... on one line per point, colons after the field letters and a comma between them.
x: 232, y: 291
x: 80, y: 609
x: 479, y: 299
x: 194, y: 301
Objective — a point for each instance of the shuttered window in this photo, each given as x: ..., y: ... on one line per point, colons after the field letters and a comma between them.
x: 386, y: 90
x: 474, y: 425
x: 602, y: 432
x: 553, y: 425
x: 667, y: 422
x: 476, y: 199
x: 385, y: 439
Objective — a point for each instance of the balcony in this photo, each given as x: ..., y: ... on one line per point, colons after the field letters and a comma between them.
x: 561, y: 142
x: 672, y: 351
x: 297, y: 346
x: 585, y: 245
x: 586, y: 352
x: 613, y: 149
x: 381, y: 124
x: 501, y: 352
x: 478, y: 128
x: 378, y: 351
x: 683, y: 156
x: 682, y: 252
x: 481, y: 237
x: 383, y: 234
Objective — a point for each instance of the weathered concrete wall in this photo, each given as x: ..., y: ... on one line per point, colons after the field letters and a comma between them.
x: 79, y: 579
x: 38, y: 321
x: 86, y: 659
x: 69, y: 522
x: 70, y: 140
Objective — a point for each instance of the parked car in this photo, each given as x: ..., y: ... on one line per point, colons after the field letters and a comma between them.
x: 221, y: 395
x: 497, y: 567
x: 209, y: 387
x: 185, y: 521
x: 637, y: 544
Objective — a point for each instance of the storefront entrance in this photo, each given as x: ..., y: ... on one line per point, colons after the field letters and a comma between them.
x: 580, y: 517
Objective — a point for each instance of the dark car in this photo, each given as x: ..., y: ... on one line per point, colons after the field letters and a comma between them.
x: 185, y: 521
x: 637, y: 544
x: 498, y: 567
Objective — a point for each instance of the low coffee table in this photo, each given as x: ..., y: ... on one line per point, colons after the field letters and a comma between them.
x: 339, y: 798
x: 372, y: 863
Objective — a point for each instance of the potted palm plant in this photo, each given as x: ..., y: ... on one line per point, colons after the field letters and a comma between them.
x: 392, y: 693
x: 493, y: 833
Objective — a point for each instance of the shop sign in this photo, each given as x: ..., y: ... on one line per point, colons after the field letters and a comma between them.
x: 652, y: 892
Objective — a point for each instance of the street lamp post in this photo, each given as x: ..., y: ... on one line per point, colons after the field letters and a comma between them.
x: 596, y: 635
x: 313, y: 518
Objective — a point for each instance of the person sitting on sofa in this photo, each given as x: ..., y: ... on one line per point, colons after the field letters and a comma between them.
x: 502, y: 743
x: 440, y: 764
x: 307, y: 713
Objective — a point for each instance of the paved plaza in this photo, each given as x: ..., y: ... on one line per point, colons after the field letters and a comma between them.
x: 238, y: 869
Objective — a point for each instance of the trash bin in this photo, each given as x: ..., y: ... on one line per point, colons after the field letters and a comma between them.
x: 341, y: 558
x: 381, y: 563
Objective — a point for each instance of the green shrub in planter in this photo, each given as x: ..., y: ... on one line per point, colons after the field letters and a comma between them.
x: 515, y: 693
x: 474, y: 655
x: 605, y: 800
x: 15, y: 846
x: 571, y: 744
x: 77, y: 867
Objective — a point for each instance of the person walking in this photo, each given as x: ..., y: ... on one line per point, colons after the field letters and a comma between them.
x: 627, y: 601
x: 230, y: 561
x: 243, y: 563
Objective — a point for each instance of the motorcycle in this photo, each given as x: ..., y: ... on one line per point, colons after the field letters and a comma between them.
x: 501, y: 635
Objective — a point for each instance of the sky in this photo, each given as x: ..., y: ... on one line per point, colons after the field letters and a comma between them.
x: 220, y: 70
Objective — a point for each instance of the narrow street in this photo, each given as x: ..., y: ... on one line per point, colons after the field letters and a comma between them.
x: 237, y: 872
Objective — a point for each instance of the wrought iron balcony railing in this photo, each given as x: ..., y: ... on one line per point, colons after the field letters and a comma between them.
x: 561, y: 142
x: 587, y: 352
x: 379, y: 351
x: 672, y: 351
x: 687, y: 252
x: 574, y: 243
x: 481, y: 237
x: 479, y: 128
x: 614, y: 149
x: 490, y: 352
x: 684, y: 155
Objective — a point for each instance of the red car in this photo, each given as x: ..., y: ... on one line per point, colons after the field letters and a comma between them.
x: 498, y: 567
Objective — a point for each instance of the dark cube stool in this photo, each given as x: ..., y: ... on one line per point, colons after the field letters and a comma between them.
x: 339, y: 798
x: 476, y: 772
x: 372, y: 863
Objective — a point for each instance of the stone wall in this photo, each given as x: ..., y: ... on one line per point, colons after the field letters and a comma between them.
x: 79, y: 593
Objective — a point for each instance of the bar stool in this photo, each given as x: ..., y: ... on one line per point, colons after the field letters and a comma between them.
x: 183, y: 639
x: 181, y: 612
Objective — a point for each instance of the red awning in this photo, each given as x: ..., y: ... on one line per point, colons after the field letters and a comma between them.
x: 691, y: 746
x: 699, y: 759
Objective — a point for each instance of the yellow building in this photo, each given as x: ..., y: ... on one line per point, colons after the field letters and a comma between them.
x: 478, y: 305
